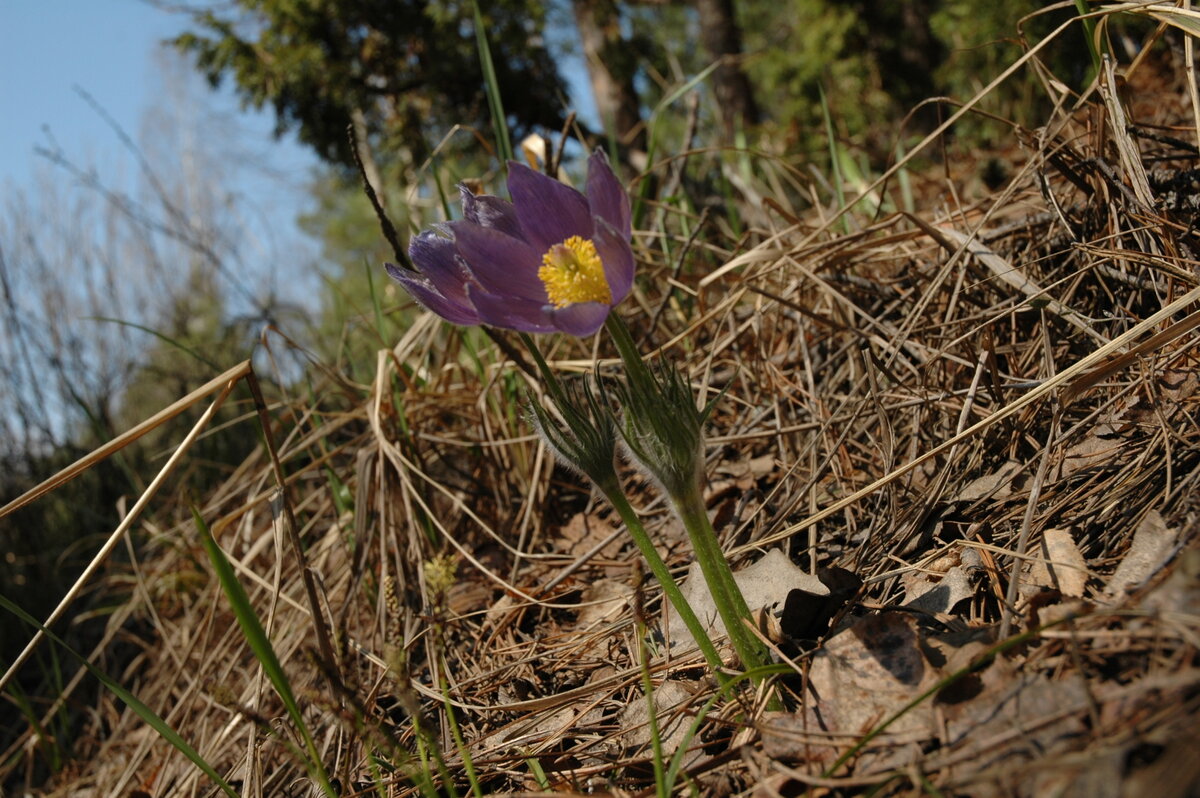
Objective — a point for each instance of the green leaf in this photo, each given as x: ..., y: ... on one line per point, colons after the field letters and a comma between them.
x: 499, y: 121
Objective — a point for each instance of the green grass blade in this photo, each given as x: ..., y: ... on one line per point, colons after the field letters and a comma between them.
x: 656, y: 746
x: 1089, y: 33
x: 459, y: 741
x: 130, y: 700
x: 376, y: 304
x: 539, y: 773
x: 906, y: 189
x: 48, y: 741
x: 260, y: 644
x: 435, y: 173
x: 499, y: 121
x: 835, y: 159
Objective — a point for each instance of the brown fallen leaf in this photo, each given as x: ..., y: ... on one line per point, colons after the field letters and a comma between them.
x: 1091, y: 452
x: 603, y: 600
x: 860, y: 678
x: 1012, y: 719
x: 736, y: 477
x: 1066, y: 570
x: 671, y: 701
x: 996, y: 485
x: 1179, y: 592
x: 926, y: 594
x: 1153, y: 543
x: 583, y: 532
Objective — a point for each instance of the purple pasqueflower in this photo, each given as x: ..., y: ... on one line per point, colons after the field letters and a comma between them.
x: 551, y: 260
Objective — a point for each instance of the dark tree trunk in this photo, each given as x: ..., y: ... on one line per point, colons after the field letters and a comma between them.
x: 722, y: 38
x: 611, y: 65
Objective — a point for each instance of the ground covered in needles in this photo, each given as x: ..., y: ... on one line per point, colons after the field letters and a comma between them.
x: 957, y: 455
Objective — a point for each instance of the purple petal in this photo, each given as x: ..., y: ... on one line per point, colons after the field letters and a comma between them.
x: 550, y: 211
x: 423, y: 291
x: 581, y: 319
x: 606, y: 195
x: 510, y: 313
x: 488, y: 211
x: 503, y: 265
x: 437, y: 260
x: 617, y: 257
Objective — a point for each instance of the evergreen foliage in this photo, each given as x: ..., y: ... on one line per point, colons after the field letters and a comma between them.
x: 409, y: 68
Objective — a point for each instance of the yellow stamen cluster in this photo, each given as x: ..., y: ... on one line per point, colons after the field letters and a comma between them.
x: 572, y: 272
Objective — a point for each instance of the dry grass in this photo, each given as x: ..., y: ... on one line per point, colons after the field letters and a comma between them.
x: 981, y: 409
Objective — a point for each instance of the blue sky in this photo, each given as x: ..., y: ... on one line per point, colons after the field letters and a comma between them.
x: 105, y: 47
x: 51, y: 50
x: 113, y: 50
x: 46, y: 48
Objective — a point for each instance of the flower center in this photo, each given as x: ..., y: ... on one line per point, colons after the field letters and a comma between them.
x: 572, y: 272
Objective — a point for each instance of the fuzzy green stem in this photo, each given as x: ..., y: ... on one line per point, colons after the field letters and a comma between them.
x: 641, y: 539
x: 552, y: 384
x: 731, y: 605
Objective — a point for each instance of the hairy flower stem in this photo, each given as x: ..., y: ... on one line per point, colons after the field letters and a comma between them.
x: 679, y: 472
x: 641, y: 539
x: 731, y: 605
